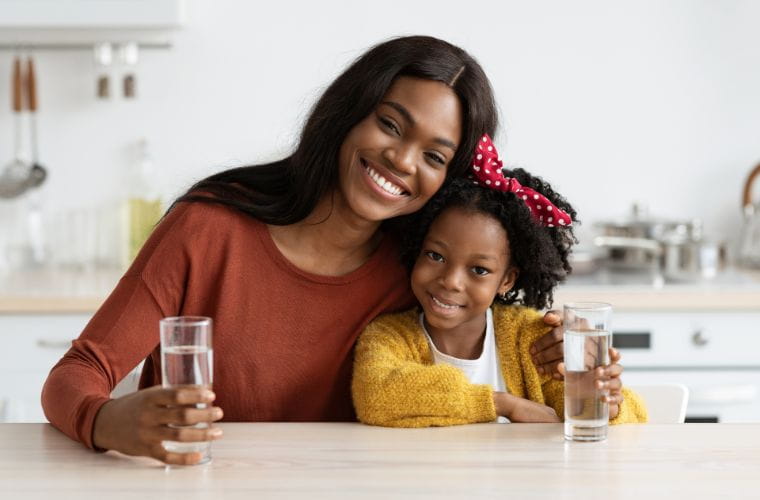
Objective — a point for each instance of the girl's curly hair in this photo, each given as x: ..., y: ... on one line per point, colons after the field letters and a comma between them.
x: 540, y: 253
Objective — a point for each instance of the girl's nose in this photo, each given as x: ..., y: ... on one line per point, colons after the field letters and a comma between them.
x: 402, y: 159
x: 452, y: 279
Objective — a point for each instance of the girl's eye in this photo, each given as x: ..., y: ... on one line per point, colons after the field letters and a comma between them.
x: 435, y: 158
x: 480, y: 271
x: 434, y: 256
x: 390, y: 125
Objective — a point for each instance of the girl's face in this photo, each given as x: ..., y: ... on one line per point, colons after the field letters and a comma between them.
x: 464, y: 262
x: 394, y: 160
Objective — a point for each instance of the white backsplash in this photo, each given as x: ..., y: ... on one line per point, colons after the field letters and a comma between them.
x: 610, y: 101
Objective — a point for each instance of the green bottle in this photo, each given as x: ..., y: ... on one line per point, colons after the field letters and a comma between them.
x: 143, y: 207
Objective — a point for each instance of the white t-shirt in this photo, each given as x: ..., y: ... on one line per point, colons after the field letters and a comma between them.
x: 484, y: 370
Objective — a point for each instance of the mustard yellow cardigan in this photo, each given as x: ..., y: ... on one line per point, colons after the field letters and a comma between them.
x: 396, y: 384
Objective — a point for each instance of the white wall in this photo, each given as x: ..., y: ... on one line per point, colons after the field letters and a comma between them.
x: 612, y: 102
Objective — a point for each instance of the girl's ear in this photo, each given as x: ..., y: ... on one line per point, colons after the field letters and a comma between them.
x: 510, y: 277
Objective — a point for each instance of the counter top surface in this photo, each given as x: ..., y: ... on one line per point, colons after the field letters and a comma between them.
x: 344, y: 460
x: 71, y: 291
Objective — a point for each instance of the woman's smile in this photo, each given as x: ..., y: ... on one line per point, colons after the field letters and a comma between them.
x: 387, y: 183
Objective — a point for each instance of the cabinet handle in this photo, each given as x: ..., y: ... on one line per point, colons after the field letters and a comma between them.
x: 699, y: 339
x: 53, y: 344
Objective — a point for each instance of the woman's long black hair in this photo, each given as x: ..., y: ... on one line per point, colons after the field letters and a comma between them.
x: 268, y: 191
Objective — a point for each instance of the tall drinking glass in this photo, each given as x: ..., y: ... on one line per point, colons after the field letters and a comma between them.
x: 588, y: 337
x: 187, y: 360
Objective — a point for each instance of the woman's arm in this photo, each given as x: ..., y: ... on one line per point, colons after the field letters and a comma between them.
x: 548, y: 350
x: 123, y: 332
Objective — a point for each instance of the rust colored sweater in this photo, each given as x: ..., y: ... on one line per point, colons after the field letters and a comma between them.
x: 283, y: 338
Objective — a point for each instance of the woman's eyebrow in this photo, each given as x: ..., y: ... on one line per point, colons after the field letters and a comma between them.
x: 410, y: 120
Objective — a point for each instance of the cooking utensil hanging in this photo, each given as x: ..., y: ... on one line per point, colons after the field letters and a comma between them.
x: 20, y: 174
x: 38, y: 173
x: 15, y: 174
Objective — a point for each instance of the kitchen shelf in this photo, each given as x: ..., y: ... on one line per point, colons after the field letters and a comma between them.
x: 66, y: 46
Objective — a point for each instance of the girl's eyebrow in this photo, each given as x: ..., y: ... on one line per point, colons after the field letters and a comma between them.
x: 410, y: 120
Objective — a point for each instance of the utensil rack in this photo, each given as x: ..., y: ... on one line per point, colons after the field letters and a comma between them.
x: 78, y: 46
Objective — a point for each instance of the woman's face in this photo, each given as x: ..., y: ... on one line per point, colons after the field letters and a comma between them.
x: 394, y: 160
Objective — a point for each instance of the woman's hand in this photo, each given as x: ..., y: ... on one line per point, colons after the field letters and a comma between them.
x: 523, y: 410
x: 137, y: 423
x: 548, y: 350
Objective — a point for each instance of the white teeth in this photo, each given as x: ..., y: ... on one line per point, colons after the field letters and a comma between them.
x: 382, y: 182
x: 445, y: 306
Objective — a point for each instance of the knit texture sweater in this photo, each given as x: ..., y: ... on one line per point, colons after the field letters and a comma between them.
x: 397, y: 384
x: 283, y: 338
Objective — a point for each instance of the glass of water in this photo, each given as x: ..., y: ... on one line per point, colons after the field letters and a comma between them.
x: 588, y: 337
x: 187, y: 360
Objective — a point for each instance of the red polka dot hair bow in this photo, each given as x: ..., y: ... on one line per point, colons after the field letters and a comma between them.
x: 486, y: 172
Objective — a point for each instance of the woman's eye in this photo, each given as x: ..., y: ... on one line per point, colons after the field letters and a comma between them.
x: 480, y: 271
x: 435, y: 158
x: 390, y: 126
x: 434, y: 256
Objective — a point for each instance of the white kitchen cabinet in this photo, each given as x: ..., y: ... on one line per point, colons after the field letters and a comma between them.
x: 78, y: 14
x: 32, y: 344
x: 715, y: 354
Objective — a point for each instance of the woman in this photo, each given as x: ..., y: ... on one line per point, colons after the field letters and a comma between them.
x: 292, y: 259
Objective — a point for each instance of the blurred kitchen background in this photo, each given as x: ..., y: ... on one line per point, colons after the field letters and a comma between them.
x: 645, y: 114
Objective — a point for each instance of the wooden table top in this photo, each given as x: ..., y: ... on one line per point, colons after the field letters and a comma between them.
x: 332, y: 460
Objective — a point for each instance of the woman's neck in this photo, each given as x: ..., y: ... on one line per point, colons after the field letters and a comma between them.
x: 464, y: 341
x: 331, y: 241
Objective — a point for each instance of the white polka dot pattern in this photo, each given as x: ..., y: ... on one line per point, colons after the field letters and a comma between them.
x: 493, y: 178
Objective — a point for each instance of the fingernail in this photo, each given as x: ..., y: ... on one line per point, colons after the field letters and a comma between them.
x: 533, y: 350
x: 209, y: 396
x: 216, y: 432
x: 217, y: 413
x: 541, y: 370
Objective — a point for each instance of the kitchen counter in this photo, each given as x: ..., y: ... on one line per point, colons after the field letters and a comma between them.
x: 344, y: 460
x: 70, y: 291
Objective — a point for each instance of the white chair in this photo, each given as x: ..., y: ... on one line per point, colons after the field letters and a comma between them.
x: 129, y: 383
x: 666, y: 403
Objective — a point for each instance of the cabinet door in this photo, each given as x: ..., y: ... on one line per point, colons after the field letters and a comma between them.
x: 32, y: 344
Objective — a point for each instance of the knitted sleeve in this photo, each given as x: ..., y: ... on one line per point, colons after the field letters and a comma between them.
x: 633, y: 410
x: 394, y: 387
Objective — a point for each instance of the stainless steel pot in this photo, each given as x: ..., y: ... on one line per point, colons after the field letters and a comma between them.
x: 633, y: 243
x: 684, y: 259
x: 675, y: 250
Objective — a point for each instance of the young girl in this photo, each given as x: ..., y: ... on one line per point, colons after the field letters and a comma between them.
x: 480, y: 246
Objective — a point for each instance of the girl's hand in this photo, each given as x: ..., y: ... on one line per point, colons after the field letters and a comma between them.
x: 137, y: 423
x: 548, y: 350
x: 523, y: 410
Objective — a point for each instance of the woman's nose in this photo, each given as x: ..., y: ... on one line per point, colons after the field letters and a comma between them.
x: 401, y: 158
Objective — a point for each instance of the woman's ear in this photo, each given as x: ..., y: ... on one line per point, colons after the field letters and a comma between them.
x: 510, y: 277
